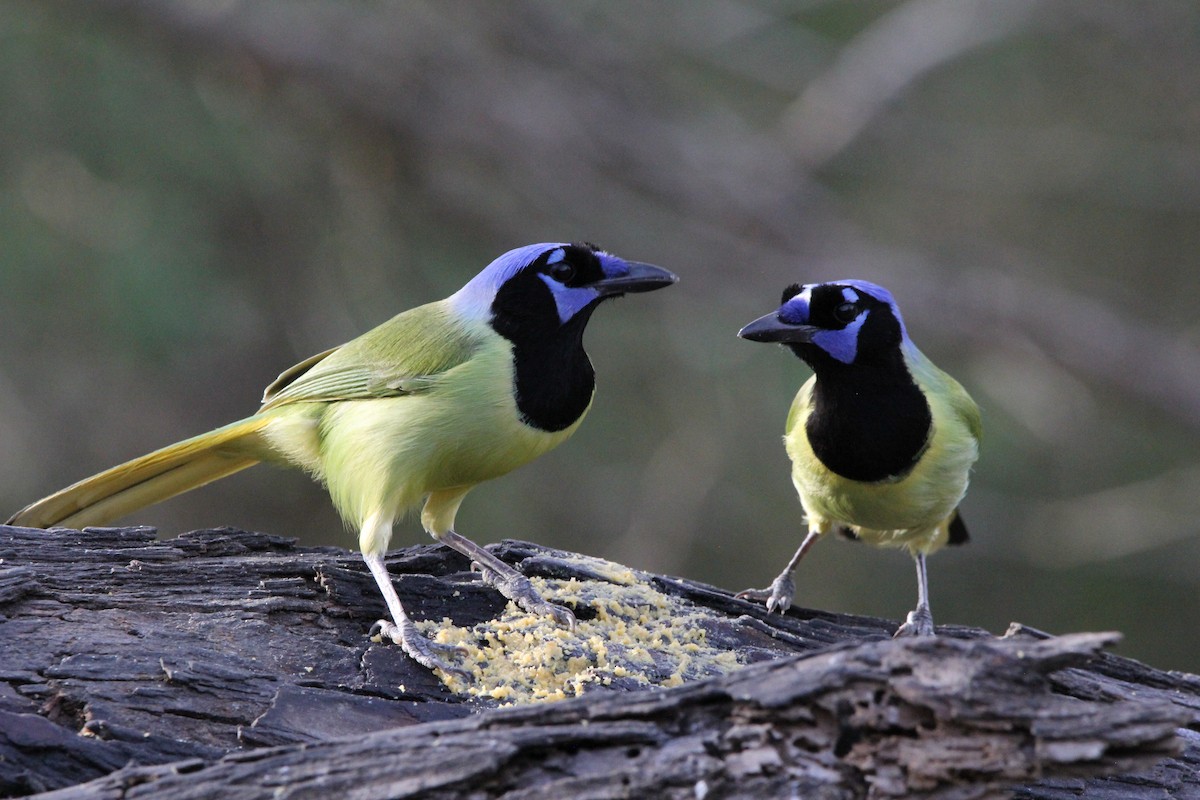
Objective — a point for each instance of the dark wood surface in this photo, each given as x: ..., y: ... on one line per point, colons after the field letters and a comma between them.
x: 229, y: 664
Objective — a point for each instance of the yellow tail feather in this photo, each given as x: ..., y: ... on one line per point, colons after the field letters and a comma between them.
x: 149, y: 479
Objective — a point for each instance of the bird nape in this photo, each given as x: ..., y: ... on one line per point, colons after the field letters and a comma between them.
x: 421, y: 408
x: 881, y: 440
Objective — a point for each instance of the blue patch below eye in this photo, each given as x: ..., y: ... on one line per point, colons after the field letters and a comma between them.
x: 568, y: 301
x: 841, y: 345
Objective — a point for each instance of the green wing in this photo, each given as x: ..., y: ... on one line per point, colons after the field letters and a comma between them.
x: 401, y: 356
x: 966, y: 408
x: 937, y: 383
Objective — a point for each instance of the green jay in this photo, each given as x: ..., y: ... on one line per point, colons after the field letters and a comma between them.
x: 881, y: 440
x: 417, y: 410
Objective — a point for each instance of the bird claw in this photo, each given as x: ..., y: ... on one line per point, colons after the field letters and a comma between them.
x: 519, y: 589
x: 562, y: 615
x: 489, y: 577
x: 778, y: 595
x: 918, y: 623
x: 420, y: 649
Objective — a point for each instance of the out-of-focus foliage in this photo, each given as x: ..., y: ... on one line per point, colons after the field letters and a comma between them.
x: 194, y: 195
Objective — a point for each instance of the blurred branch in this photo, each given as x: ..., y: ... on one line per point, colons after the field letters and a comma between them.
x: 886, y: 59
x: 1121, y: 521
x: 1142, y: 360
x: 484, y: 102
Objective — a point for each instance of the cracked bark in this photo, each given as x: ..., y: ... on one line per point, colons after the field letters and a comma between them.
x: 234, y: 665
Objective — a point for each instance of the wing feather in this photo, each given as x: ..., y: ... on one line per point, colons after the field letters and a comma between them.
x: 402, y: 356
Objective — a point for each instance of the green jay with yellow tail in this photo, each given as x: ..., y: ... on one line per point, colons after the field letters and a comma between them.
x: 417, y: 410
x: 881, y: 440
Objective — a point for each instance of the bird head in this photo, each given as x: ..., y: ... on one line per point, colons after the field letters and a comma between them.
x: 848, y: 322
x: 552, y: 286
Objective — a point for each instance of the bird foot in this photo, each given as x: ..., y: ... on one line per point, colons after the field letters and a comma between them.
x: 919, y: 623
x: 519, y: 589
x: 778, y: 595
x: 420, y: 649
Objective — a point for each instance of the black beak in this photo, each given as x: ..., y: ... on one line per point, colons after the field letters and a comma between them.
x: 770, y: 328
x: 641, y: 278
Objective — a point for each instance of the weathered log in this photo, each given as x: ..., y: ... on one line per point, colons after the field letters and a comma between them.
x: 231, y: 664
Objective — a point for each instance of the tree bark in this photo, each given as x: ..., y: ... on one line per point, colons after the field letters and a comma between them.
x: 231, y: 664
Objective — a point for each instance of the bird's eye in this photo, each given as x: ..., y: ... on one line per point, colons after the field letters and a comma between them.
x: 562, y: 272
x: 846, y: 312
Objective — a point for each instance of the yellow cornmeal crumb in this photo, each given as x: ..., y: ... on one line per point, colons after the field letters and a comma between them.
x: 609, y: 571
x: 637, y: 637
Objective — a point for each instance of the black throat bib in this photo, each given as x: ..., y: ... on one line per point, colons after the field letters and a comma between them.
x: 868, y: 424
x: 553, y: 377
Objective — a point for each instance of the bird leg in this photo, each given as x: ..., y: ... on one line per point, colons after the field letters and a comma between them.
x: 920, y: 619
x: 402, y: 631
x: 781, y: 591
x: 508, y: 581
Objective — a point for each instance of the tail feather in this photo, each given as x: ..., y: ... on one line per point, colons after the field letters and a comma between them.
x: 154, y: 477
x: 958, y: 530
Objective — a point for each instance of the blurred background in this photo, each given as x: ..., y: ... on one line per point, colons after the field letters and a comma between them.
x: 196, y: 194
